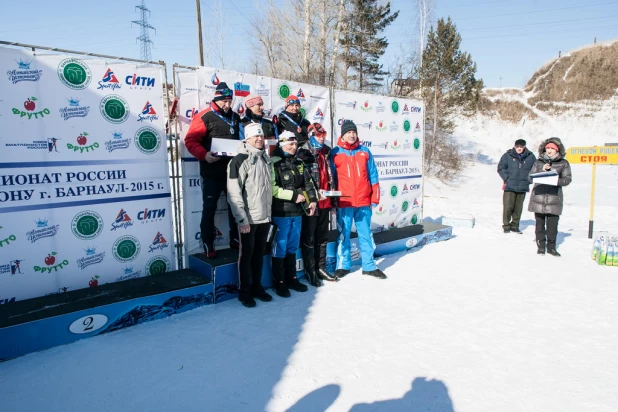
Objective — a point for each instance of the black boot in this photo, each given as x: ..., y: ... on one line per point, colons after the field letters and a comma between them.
x: 278, y: 278
x: 320, y: 258
x: 258, y: 292
x: 540, y: 245
x: 339, y: 273
x: 290, y: 274
x: 245, y: 298
x: 553, y: 252
x: 309, y: 262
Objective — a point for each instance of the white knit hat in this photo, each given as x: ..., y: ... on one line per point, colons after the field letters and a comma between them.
x: 286, y: 137
x: 253, y: 129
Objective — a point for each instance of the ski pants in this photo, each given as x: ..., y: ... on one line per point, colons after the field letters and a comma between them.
x: 361, y: 216
x: 288, y: 235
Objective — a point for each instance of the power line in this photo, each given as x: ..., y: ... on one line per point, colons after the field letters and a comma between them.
x: 537, y: 11
x: 144, y: 37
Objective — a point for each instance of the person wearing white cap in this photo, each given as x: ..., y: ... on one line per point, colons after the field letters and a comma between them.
x: 293, y: 196
x: 250, y: 199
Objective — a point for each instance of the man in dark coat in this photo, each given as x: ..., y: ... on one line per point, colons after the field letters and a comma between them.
x: 546, y: 201
x: 291, y: 119
x: 216, y: 121
x: 514, y: 168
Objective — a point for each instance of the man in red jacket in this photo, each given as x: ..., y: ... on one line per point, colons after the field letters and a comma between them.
x: 217, y: 121
x: 357, y: 179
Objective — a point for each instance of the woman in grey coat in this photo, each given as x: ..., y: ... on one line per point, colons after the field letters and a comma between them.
x: 546, y: 201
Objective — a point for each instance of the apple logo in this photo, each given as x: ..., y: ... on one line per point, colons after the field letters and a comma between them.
x: 29, y: 104
x: 366, y: 104
x: 50, y: 259
x: 395, y: 143
x: 81, y: 139
x: 94, y: 282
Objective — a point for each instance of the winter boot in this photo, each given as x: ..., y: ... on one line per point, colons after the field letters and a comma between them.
x: 340, y: 273
x: 553, y: 252
x: 209, y: 250
x: 540, y: 244
x: 321, y: 261
x: 258, y: 292
x: 376, y: 273
x: 245, y: 298
x: 310, y: 272
x: 278, y: 276
x: 290, y: 274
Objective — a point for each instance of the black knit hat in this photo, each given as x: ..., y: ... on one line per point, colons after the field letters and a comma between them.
x: 222, y: 92
x: 347, y: 126
x: 520, y: 142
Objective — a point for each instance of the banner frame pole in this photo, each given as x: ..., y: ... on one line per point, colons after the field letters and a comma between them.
x: 591, y: 221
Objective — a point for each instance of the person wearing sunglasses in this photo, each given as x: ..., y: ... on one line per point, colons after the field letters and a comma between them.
x: 293, y: 196
x: 315, y: 154
x: 217, y: 120
x: 291, y: 119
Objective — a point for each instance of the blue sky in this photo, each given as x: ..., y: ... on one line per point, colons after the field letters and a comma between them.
x: 508, y: 39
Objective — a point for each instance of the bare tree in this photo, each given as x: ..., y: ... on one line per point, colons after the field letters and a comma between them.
x: 338, y: 30
x: 306, y: 40
x: 425, y: 16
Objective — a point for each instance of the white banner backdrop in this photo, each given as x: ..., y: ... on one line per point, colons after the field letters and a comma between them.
x: 392, y: 128
x: 315, y: 105
x: 84, y: 184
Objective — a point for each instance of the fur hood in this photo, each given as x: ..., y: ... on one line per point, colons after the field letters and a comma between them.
x: 557, y: 142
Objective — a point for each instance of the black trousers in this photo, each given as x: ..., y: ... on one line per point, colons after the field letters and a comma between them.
x: 546, y: 230
x: 211, y: 191
x: 314, y: 232
x: 512, y: 206
x: 251, y: 256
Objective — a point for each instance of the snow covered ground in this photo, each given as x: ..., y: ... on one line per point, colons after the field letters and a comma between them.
x: 479, y: 323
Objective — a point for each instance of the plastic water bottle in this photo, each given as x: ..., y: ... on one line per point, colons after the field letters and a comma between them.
x: 602, y: 256
x: 609, y: 260
x: 596, y: 247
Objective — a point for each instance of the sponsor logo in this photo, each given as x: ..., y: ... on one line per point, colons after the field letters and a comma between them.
x: 366, y: 107
x: 394, y: 126
x: 36, y: 145
x: 114, y: 109
x: 303, y: 112
x: 13, y: 267
x: 240, y: 108
x: 74, y: 109
x: 241, y: 89
x: 404, y: 189
x: 215, y: 79
x: 87, y: 225
x: 128, y: 273
x: 415, y: 204
x: 52, y: 264
x: 74, y: 74
x: 380, y: 107
x: 30, y: 112
x: 392, y: 226
x: 23, y: 73
x: 380, y: 210
x: 394, y: 191
x: 407, y: 145
x: 109, y: 81
x: 317, y: 97
x: 148, y: 113
x: 415, y: 109
x: 94, y: 281
x: 318, y: 115
x: 117, y: 142
x: 410, y: 243
x: 159, y: 243
x: 382, y: 191
x: 396, y: 145
x: 404, y: 206
x: 139, y: 82
x: 122, y: 221
x: 261, y: 89
x: 158, y: 265
x: 417, y: 144
x: 149, y: 216
x: 5, y: 301
x: 52, y: 145
x: 91, y: 258
x: 7, y: 241
x: 59, y: 291
x: 381, y: 127
x: 415, y: 187
x: 191, y: 112
x: 417, y: 128
x: 406, y: 126
x: 366, y: 125
x: 284, y: 91
x: 395, y: 106
x: 341, y: 121
x: 218, y: 236
x: 406, y: 109
x: 42, y: 230
x: 351, y: 105
x: 126, y: 248
x: 82, y: 144
x: 301, y: 95
x: 393, y: 210
x: 414, y: 219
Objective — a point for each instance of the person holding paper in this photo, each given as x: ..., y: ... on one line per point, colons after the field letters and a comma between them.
x: 291, y: 119
x: 293, y: 196
x: 216, y: 121
x: 546, y: 200
x: 254, y: 113
x: 250, y: 201
x: 514, y: 168
x: 357, y: 179
x: 314, y: 235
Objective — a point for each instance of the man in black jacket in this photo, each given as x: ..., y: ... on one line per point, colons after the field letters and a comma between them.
x: 291, y: 119
x: 514, y: 168
x: 216, y: 121
x: 254, y: 113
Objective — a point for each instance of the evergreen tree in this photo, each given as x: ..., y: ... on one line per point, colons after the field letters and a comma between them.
x: 362, y: 44
x: 449, y: 88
